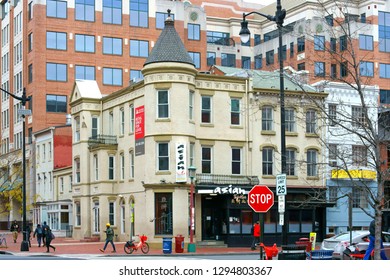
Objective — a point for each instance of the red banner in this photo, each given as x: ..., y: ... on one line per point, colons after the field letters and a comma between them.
x: 139, y: 130
x: 139, y: 122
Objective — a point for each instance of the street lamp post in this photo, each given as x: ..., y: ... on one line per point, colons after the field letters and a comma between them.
x: 278, y: 18
x: 24, y: 245
x: 191, y: 245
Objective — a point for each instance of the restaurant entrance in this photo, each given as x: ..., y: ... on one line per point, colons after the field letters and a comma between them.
x: 213, y: 217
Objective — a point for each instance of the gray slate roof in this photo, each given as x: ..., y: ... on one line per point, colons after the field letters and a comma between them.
x: 169, y: 47
x: 266, y: 79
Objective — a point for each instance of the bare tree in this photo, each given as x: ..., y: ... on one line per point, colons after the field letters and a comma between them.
x: 10, y: 182
x: 359, y: 120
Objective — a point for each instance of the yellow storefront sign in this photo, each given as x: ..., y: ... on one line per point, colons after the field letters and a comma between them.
x: 313, y: 237
x: 354, y: 174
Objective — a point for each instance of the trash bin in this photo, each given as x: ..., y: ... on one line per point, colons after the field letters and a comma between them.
x: 305, y: 242
x: 321, y: 254
x: 167, y: 245
x: 179, y: 244
x: 292, y: 252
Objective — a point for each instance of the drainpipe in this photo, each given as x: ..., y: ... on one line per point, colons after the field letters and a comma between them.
x: 248, y: 158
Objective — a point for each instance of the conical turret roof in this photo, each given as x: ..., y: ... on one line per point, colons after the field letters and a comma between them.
x: 169, y: 47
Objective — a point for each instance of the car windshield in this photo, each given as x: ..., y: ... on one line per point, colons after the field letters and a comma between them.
x: 345, y: 236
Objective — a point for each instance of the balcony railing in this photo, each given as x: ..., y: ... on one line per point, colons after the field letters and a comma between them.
x: 216, y: 179
x: 99, y: 140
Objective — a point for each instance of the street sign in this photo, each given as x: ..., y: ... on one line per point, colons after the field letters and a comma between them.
x: 260, y: 199
x: 281, y: 219
x: 24, y: 112
x: 281, y: 203
x: 281, y: 188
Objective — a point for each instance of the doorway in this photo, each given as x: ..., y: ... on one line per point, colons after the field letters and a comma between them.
x: 213, y: 217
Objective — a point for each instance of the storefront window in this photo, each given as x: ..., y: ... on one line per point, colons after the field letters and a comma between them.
x: 163, y: 213
x: 247, y: 221
x: 234, y: 221
x: 307, y: 221
x: 271, y: 222
x: 293, y: 225
x: 240, y: 221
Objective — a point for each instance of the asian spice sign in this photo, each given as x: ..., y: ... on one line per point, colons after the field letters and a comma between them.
x: 181, y: 167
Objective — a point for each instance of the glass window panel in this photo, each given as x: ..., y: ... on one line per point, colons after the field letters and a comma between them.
x: 294, y: 221
x: 234, y: 221
x: 247, y: 221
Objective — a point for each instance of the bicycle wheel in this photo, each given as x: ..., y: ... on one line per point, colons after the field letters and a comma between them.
x: 128, y: 249
x: 145, y: 248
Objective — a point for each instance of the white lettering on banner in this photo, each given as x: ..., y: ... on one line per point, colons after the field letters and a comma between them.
x: 181, y: 175
x: 256, y: 198
x: 229, y: 190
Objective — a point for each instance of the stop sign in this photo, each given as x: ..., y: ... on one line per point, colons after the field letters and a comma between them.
x: 260, y: 199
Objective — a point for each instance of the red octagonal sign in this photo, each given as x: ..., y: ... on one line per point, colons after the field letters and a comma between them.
x: 260, y: 199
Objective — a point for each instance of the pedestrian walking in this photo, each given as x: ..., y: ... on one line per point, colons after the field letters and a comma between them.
x: 28, y: 235
x: 15, y: 230
x: 371, y: 245
x: 38, y: 232
x: 44, y: 228
x: 256, y: 235
x: 48, y: 239
x: 109, y: 238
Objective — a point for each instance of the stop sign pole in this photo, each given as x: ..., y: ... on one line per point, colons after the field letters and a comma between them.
x: 261, y: 199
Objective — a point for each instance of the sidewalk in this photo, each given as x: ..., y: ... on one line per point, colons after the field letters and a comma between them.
x: 71, y: 246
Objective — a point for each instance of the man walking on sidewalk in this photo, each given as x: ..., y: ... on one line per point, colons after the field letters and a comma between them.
x: 45, y: 228
x: 109, y: 239
x: 15, y: 230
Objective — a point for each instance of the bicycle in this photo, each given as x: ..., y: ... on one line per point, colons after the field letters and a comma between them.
x: 353, y: 252
x: 131, y: 246
x: 3, y: 241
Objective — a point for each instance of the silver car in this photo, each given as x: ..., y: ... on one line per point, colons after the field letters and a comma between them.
x: 340, y: 242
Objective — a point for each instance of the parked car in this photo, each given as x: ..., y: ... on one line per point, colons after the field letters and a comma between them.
x: 340, y: 242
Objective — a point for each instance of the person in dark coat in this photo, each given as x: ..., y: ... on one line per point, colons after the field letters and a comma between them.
x: 371, y: 245
x: 48, y: 239
x: 28, y: 235
x: 38, y: 232
x: 44, y: 228
x: 15, y: 230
